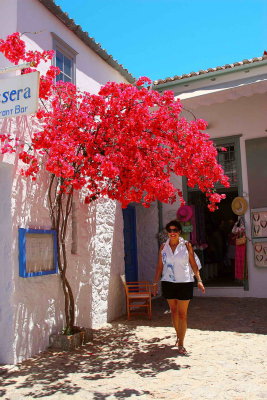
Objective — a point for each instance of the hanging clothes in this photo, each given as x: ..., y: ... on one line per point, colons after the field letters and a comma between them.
x: 240, y: 256
x: 239, y: 230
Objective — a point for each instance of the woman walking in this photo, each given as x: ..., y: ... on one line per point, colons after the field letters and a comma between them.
x: 176, y: 268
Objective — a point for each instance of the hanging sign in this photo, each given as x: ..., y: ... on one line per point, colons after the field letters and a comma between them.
x: 19, y: 95
x: 260, y: 252
x: 259, y: 222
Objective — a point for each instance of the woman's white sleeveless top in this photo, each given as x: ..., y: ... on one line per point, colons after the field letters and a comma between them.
x: 176, y: 266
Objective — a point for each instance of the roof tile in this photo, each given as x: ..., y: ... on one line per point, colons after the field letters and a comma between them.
x: 210, y: 70
x: 84, y: 36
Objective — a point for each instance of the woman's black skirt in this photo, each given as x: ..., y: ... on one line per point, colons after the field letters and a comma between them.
x: 178, y: 291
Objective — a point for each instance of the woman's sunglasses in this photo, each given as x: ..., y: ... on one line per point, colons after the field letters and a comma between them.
x: 175, y: 230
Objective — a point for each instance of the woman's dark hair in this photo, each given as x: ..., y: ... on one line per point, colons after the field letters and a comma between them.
x: 174, y: 223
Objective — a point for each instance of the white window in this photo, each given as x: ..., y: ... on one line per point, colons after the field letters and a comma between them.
x: 229, y: 159
x: 65, y: 60
x: 65, y: 64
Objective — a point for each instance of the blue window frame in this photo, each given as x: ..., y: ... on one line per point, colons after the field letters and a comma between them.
x: 37, y: 252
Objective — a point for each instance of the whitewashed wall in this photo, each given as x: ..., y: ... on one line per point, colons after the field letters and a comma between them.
x: 244, y: 116
x: 147, y: 228
x: 147, y: 242
x: 9, y: 22
x: 6, y: 270
x: 91, y: 70
x: 33, y: 308
x: 169, y: 211
x: 108, y: 264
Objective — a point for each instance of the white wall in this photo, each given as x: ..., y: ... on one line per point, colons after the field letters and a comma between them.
x: 9, y: 22
x: 91, y: 70
x: 147, y: 241
x: 93, y: 272
x: 246, y: 117
x: 242, y: 116
x: 169, y: 211
x: 108, y: 263
x: 6, y: 270
x: 33, y: 308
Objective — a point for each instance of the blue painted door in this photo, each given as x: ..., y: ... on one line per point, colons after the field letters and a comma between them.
x: 130, y: 246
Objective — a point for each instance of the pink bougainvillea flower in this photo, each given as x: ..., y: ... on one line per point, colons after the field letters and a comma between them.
x: 124, y: 143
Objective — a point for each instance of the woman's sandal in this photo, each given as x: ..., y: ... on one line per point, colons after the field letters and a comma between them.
x: 182, y: 351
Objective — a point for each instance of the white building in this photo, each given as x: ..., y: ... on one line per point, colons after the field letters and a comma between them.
x: 32, y: 308
x: 232, y: 99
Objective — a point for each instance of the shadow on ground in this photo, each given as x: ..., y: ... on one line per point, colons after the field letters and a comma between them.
x: 120, y: 348
x: 114, y: 350
x: 241, y: 315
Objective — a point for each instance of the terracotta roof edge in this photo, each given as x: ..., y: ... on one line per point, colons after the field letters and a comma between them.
x: 221, y: 69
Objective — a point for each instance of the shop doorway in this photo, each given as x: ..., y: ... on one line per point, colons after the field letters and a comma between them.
x: 215, y: 244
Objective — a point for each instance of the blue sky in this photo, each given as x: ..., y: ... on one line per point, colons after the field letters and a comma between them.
x: 161, y: 38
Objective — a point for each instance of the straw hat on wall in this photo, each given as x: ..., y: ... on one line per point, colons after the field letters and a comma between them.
x: 239, y: 206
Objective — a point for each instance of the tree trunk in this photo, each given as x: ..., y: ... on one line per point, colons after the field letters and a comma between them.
x: 60, y: 206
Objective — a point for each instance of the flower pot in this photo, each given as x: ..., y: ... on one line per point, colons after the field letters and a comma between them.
x: 70, y: 342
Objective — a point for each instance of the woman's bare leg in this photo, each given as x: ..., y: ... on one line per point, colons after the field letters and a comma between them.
x: 182, y: 318
x: 173, y: 304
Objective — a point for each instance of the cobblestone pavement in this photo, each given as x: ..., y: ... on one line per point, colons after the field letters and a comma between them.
x: 227, y: 343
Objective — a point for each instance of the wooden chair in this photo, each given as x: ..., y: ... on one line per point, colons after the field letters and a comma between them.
x: 138, y: 297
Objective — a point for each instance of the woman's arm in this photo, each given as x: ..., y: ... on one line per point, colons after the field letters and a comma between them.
x: 158, y: 272
x: 195, y: 267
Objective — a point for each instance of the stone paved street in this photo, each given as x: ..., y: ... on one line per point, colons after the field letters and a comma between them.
x: 226, y: 340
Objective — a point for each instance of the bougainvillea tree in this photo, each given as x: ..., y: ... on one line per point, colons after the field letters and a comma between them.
x: 124, y: 143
